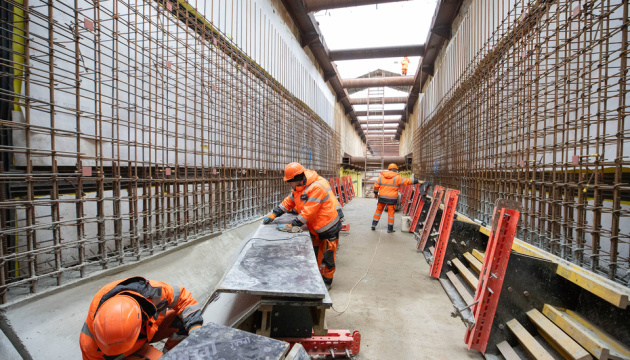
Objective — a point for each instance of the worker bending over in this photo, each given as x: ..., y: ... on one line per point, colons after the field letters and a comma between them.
x: 126, y: 315
x: 386, y: 191
x: 316, y: 207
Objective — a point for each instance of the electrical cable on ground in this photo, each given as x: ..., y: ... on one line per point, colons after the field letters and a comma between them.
x: 363, y: 277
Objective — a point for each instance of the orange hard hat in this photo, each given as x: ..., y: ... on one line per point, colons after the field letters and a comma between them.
x: 392, y: 166
x: 117, y: 324
x: 293, y: 169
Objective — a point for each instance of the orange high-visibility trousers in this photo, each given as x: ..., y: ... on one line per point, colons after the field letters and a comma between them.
x: 326, y: 253
x: 390, y: 212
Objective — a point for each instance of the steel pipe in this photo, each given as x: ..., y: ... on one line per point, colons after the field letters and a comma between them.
x: 359, y: 160
x: 376, y: 53
x: 377, y: 82
x: 377, y: 113
x: 387, y: 100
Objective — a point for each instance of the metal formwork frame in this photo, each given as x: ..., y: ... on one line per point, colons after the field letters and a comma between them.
x: 448, y: 215
x: 495, y: 262
x: 438, y: 192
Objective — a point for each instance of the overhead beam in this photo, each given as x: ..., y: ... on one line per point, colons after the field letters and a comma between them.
x: 317, y: 5
x: 387, y: 100
x: 377, y: 82
x: 376, y: 53
x: 377, y: 113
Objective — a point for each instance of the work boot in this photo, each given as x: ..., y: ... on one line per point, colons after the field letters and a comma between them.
x: 328, y: 282
x: 374, y: 223
x: 390, y: 228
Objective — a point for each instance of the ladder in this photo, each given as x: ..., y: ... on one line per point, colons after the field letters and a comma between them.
x: 375, y: 136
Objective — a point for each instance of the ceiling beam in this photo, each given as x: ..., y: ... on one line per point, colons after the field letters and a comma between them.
x: 317, y: 5
x: 378, y: 82
x: 375, y: 100
x: 380, y: 112
x: 376, y: 53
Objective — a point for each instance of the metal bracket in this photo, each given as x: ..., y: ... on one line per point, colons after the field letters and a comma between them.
x: 459, y: 312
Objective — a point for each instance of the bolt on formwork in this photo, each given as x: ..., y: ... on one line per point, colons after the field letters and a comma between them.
x: 128, y: 128
x: 537, y: 115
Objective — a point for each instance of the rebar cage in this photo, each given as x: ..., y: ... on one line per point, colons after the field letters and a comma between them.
x: 130, y: 128
x: 530, y: 105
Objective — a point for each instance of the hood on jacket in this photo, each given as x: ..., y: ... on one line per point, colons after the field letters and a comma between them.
x: 311, y: 177
x: 388, y: 174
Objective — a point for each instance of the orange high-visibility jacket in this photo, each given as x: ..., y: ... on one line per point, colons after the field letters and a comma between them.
x: 326, y: 183
x: 315, y: 206
x: 405, y: 63
x: 154, y: 297
x: 387, y: 186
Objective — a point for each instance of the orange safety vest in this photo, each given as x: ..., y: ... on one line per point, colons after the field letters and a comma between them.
x: 314, y: 204
x: 154, y: 297
x: 387, y: 186
x: 405, y: 63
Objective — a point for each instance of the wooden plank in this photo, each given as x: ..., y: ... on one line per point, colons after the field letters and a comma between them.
x: 530, y: 344
x: 507, y: 351
x: 590, y: 337
x: 473, y: 262
x: 478, y: 254
x: 557, y: 338
x: 461, y: 289
x: 470, y: 278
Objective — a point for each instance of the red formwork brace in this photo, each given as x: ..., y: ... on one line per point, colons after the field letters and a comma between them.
x: 495, y: 261
x: 333, y: 186
x: 448, y: 214
x: 438, y: 192
x: 406, y: 190
x: 416, y: 201
x: 418, y: 211
x: 345, y: 227
x: 337, y: 342
x: 346, y: 190
x: 352, y: 188
x: 341, y: 200
x: 416, y: 193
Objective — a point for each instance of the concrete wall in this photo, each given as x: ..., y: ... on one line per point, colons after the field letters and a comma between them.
x: 48, y: 324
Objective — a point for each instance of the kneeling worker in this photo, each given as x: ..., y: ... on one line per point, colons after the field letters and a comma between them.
x: 386, y: 191
x: 315, y: 208
x: 126, y: 315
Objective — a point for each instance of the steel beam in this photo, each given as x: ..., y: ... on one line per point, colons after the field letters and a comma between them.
x: 376, y: 53
x: 377, y: 113
x: 317, y: 5
x: 398, y: 160
x: 377, y: 82
x: 388, y: 100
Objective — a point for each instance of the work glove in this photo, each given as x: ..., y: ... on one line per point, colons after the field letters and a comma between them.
x: 376, y: 194
x: 289, y: 228
x: 416, y: 181
x: 296, y: 222
x: 269, y: 218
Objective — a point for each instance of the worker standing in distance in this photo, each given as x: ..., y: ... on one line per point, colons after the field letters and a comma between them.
x: 386, y: 191
x: 126, y: 315
x: 317, y: 209
x: 405, y: 64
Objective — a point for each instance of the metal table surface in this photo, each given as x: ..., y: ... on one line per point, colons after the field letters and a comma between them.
x: 275, y: 263
x: 215, y: 342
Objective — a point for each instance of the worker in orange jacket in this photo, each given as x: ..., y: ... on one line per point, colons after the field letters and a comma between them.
x: 126, y: 315
x: 405, y: 65
x: 311, y: 198
x: 386, y: 191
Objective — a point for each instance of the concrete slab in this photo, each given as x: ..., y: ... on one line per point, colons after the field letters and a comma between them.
x: 400, y: 312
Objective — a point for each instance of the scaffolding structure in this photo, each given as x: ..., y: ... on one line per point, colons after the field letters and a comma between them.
x: 127, y: 128
x: 529, y: 105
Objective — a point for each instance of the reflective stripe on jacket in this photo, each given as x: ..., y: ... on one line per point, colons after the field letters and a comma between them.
x: 154, y: 297
x: 314, y: 204
x: 387, y: 186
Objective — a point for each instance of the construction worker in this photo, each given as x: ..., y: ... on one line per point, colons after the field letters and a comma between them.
x: 126, y: 315
x: 316, y: 208
x: 386, y: 191
x: 405, y: 64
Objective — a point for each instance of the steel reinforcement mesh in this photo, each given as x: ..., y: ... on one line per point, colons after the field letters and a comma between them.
x: 538, y: 116
x: 127, y: 128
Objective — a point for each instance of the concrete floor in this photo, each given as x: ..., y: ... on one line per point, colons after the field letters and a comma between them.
x: 401, y: 313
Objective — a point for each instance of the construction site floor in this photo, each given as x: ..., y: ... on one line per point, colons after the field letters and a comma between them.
x: 401, y: 313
